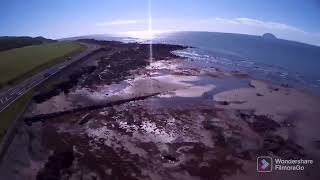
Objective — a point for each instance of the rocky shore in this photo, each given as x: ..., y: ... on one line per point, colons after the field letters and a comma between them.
x: 122, y: 114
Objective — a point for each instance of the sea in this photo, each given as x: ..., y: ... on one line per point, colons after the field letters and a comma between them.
x: 279, y: 61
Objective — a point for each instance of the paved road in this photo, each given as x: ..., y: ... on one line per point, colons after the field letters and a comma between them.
x: 12, y: 94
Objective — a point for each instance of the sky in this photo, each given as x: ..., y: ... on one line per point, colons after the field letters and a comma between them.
x: 297, y: 20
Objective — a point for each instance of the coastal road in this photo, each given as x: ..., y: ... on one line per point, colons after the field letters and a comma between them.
x: 11, y: 95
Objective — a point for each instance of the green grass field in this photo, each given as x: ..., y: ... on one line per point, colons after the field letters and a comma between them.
x: 8, y: 115
x: 18, y: 64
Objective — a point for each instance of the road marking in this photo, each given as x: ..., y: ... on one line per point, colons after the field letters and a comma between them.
x: 36, y: 80
x: 21, y: 91
x: 14, y: 91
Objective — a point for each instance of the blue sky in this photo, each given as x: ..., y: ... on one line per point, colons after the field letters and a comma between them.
x: 289, y: 19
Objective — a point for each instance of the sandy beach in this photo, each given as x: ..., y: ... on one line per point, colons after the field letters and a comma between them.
x: 194, y: 122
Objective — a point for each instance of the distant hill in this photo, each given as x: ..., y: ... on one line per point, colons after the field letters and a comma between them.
x: 11, y: 42
x: 269, y: 36
x: 105, y: 37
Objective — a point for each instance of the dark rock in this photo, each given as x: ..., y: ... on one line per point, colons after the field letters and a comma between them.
x: 216, y: 169
x: 245, y: 155
x: 263, y: 123
x: 57, y: 162
x: 220, y: 140
x: 63, y: 86
x: 119, y: 65
x: 224, y: 103
x: 273, y: 143
x: 170, y: 158
x: 317, y: 144
x: 209, y: 126
x: 283, y: 148
x: 234, y: 143
x: 244, y: 116
x: 85, y: 119
x: 251, y: 85
x: 258, y: 94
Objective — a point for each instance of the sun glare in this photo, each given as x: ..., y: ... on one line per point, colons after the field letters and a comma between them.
x: 145, y: 35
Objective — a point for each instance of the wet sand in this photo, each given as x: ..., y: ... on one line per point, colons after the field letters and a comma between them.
x: 203, y: 123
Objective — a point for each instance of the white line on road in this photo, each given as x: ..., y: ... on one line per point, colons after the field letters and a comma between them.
x: 36, y: 80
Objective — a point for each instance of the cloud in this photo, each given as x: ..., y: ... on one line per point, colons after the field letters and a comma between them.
x: 254, y: 23
x: 226, y: 20
x: 144, y: 34
x: 270, y: 25
x: 117, y: 22
x: 244, y: 25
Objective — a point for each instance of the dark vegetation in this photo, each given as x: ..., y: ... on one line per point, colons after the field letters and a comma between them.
x: 127, y: 57
x: 10, y: 114
x: 285, y: 148
x: 64, y: 86
x: 57, y: 162
x: 44, y: 117
x: 10, y: 42
x: 276, y: 144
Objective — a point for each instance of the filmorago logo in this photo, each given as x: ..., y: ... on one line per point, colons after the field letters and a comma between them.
x: 264, y: 164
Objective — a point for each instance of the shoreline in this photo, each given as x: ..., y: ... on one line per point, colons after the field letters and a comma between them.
x: 276, y: 75
x: 199, y: 120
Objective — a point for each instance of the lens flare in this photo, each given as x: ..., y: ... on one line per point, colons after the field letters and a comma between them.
x: 150, y: 29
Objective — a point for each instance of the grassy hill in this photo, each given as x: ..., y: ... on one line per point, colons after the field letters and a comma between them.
x: 11, y: 42
x: 18, y: 64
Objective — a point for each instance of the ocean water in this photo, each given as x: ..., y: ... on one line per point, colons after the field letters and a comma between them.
x: 280, y: 61
x: 276, y: 60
